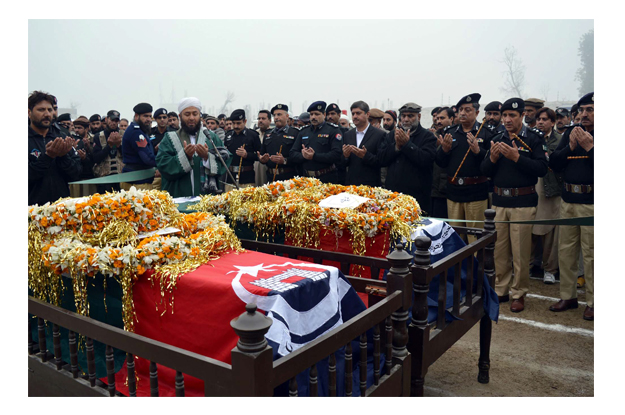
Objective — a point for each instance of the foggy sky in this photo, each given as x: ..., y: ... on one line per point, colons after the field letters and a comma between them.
x: 115, y: 64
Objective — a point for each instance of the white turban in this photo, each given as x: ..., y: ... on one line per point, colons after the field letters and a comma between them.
x: 189, y: 102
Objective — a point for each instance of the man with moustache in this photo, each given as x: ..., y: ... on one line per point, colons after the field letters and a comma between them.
x: 390, y: 120
x: 123, y: 125
x: 493, y: 115
x: 515, y: 161
x: 563, y: 120
x: 95, y: 124
x: 260, y: 170
x: 244, y: 145
x: 52, y: 160
x: 212, y: 124
x: 333, y: 116
x: 318, y: 146
x: 461, y: 151
x: 107, y: 152
x: 443, y: 119
x: 531, y: 106
x: 575, y: 157
x: 360, y: 148
x: 158, y: 132
x: 172, y: 121
x: 84, y: 148
x: 275, y: 148
x: 375, y: 117
x: 137, y: 149
x: 188, y: 159
x: 409, y: 154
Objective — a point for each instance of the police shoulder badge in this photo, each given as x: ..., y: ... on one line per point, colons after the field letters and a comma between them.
x: 35, y: 152
x: 339, y: 137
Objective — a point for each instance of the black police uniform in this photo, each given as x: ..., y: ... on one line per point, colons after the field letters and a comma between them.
x: 156, y: 137
x: 251, y: 140
x: 279, y: 140
x: 513, y: 181
x: 327, y: 141
x: 469, y: 184
x: 137, y: 151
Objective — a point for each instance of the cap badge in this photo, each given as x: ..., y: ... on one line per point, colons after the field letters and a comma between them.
x: 515, y: 105
x: 468, y: 99
x: 279, y: 105
x: 592, y: 98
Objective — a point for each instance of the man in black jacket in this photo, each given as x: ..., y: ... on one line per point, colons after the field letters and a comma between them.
x: 276, y: 146
x: 409, y: 152
x: 575, y: 157
x: 360, y: 148
x: 515, y: 161
x: 52, y: 160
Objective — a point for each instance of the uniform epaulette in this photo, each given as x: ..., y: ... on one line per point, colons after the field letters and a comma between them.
x: 333, y: 125
x: 490, y: 127
x: 537, y: 131
x: 137, y: 126
x: 447, y: 128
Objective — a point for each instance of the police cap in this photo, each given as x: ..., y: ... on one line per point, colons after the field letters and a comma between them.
x: 587, y: 99
x: 95, y: 117
x: 493, y: 106
x: 142, y: 108
x: 282, y: 107
x: 562, y: 112
x: 535, y: 102
x: 333, y: 107
x: 159, y: 112
x: 221, y: 116
x: 317, y: 106
x: 304, y: 117
x: 469, y: 99
x: 64, y: 117
x: 410, y: 107
x: 113, y: 115
x: 513, y: 104
x: 237, y: 115
x: 435, y: 111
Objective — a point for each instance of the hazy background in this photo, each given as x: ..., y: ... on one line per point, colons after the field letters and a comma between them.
x: 115, y: 64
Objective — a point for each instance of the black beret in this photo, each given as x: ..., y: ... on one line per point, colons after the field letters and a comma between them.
x: 282, y: 107
x: 159, y: 112
x: 493, y: 106
x: 562, y: 112
x: 221, y: 116
x: 574, y: 108
x: 514, y: 104
x: 317, y: 106
x: 113, y: 115
x: 435, y: 110
x: 95, y: 117
x: 333, y: 107
x: 304, y: 117
x: 469, y: 99
x: 64, y: 117
x: 587, y: 99
x: 143, y: 108
x: 237, y: 115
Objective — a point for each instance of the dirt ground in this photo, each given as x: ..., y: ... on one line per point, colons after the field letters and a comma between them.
x: 533, y: 353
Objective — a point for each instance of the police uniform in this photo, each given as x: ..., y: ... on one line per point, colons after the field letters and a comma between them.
x: 578, y: 198
x: 155, y: 136
x: 515, y: 199
x: 327, y: 141
x: 341, y: 167
x: 137, y: 150
x: 251, y: 141
x: 467, y: 187
x: 279, y: 140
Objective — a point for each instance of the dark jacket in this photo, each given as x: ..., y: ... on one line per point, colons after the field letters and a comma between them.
x: 552, y: 180
x: 575, y: 171
x: 327, y: 141
x: 366, y: 170
x: 48, y: 177
x: 410, y: 168
x: 251, y: 140
x: 507, y: 174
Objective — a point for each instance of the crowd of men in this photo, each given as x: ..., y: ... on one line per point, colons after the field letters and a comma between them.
x: 526, y: 161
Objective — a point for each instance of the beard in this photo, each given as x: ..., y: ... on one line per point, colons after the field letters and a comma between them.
x: 145, y: 127
x: 530, y: 120
x: 40, y: 123
x: 190, y: 130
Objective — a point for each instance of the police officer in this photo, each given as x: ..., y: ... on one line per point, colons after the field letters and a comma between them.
x: 318, y: 147
x: 244, y: 145
x: 575, y: 157
x: 563, y: 120
x: 107, y: 152
x: 409, y: 153
x: 275, y: 149
x: 333, y: 116
x: 158, y: 132
x: 461, y: 151
x: 95, y: 124
x: 515, y: 161
x: 493, y: 115
x: 137, y: 147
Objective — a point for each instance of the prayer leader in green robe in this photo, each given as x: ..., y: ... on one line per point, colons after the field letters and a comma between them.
x: 187, y: 159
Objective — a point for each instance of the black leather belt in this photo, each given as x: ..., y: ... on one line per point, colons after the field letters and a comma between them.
x: 578, y: 188
x: 463, y: 181
x: 514, y: 191
x: 235, y: 169
x: 282, y: 170
x: 311, y: 173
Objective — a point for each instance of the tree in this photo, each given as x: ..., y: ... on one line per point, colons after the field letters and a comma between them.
x: 514, y: 74
x: 586, y: 52
x: 229, y: 99
x: 544, y: 90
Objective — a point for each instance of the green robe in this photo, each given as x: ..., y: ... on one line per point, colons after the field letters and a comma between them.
x: 175, y: 167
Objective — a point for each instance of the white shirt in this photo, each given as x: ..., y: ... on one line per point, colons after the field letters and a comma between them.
x: 360, y: 135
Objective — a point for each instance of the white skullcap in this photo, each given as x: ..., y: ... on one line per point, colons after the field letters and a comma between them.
x: 189, y: 102
x: 345, y: 117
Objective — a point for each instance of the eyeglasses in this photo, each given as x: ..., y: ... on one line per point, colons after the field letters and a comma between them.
x: 162, y: 117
